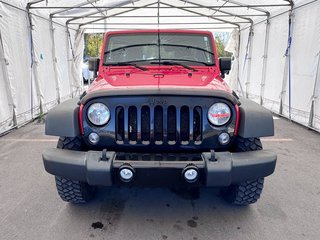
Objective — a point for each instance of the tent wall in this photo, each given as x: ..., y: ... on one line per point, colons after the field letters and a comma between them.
x: 42, y: 67
x: 293, y: 82
x: 6, y: 107
x: 16, y: 48
x: 61, y: 40
x: 30, y: 88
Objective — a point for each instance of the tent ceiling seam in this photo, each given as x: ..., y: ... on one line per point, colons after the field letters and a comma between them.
x: 34, y: 14
x: 218, y: 19
x: 96, y: 8
x: 214, y: 6
x: 231, y: 14
x: 130, y: 10
x: 291, y: 9
x: 253, y: 8
x: 87, y: 15
x: 79, y: 5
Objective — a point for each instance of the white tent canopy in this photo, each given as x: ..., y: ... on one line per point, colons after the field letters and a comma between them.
x: 276, y: 46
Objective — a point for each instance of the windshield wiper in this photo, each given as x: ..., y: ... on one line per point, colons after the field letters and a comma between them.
x: 130, y: 46
x: 187, y: 46
x: 172, y: 63
x: 126, y: 64
x: 188, y: 60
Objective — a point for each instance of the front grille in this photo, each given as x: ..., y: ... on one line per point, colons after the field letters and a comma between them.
x: 159, y: 125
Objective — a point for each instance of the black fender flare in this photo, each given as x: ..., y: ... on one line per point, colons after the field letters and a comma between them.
x: 63, y: 120
x: 255, y: 120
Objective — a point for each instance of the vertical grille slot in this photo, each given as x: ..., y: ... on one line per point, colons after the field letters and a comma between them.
x: 145, y: 123
x: 197, y: 124
x: 132, y: 121
x: 119, y: 124
x: 184, y: 124
x: 158, y: 123
x: 171, y: 124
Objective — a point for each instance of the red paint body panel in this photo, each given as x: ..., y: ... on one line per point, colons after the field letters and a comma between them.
x: 127, y: 77
x: 81, y: 119
x: 237, y: 120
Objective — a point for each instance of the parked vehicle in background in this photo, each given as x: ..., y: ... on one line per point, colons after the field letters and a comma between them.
x: 160, y: 114
x: 87, y: 75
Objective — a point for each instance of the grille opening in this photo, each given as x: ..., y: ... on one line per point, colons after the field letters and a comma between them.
x: 119, y: 124
x: 124, y: 156
x: 145, y: 123
x: 132, y: 121
x: 184, y: 124
x: 158, y: 123
x: 171, y: 124
x: 197, y: 124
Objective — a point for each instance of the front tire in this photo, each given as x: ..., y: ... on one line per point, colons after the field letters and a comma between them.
x: 247, y: 192
x: 71, y: 190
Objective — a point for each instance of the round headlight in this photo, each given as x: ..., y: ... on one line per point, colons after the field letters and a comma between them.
x: 98, y: 114
x: 219, y: 114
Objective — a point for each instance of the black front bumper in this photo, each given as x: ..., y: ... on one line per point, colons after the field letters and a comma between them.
x: 215, y: 169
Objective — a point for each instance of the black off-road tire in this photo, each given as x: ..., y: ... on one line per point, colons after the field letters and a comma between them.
x: 70, y: 143
x: 246, y: 192
x: 246, y: 144
x: 71, y: 190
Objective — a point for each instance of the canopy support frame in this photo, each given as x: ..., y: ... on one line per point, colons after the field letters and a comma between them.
x: 34, y: 63
x: 265, y: 60
x: 79, y: 5
x: 54, y: 59
x: 287, y: 68
x: 88, y: 15
x: 116, y: 14
x: 190, y: 11
x: 315, y: 94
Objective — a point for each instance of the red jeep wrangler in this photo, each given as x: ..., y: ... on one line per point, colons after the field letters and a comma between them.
x: 159, y: 114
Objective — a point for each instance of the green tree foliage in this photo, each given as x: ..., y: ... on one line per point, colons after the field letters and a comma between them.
x: 220, y: 48
x: 93, y: 44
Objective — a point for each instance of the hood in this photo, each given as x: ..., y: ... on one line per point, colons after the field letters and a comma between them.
x: 164, y: 77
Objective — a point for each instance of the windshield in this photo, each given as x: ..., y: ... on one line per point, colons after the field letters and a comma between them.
x: 190, y: 49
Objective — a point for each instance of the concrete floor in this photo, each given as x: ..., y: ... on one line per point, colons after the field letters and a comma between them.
x: 31, y: 209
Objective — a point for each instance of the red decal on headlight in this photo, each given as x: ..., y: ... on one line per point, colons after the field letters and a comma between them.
x: 220, y: 115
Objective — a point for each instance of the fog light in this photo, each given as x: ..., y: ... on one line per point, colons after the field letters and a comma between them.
x: 191, y: 175
x: 224, y: 138
x: 94, y: 138
x: 126, y: 174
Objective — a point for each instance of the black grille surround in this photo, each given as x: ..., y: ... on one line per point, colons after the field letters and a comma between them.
x: 158, y: 123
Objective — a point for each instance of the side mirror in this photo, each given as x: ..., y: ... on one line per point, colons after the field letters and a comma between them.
x: 225, y: 65
x: 94, y: 65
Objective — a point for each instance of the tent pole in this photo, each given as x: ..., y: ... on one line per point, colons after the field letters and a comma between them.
x: 69, y: 60
x: 265, y: 60
x: 163, y: 16
x: 220, y: 11
x: 54, y: 60
x: 248, y: 58
x: 191, y: 7
x: 79, y: 5
x: 158, y: 14
x: 287, y: 68
x: 238, y: 79
x: 200, y: 14
x: 112, y: 15
x: 315, y: 94
x: 34, y: 64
